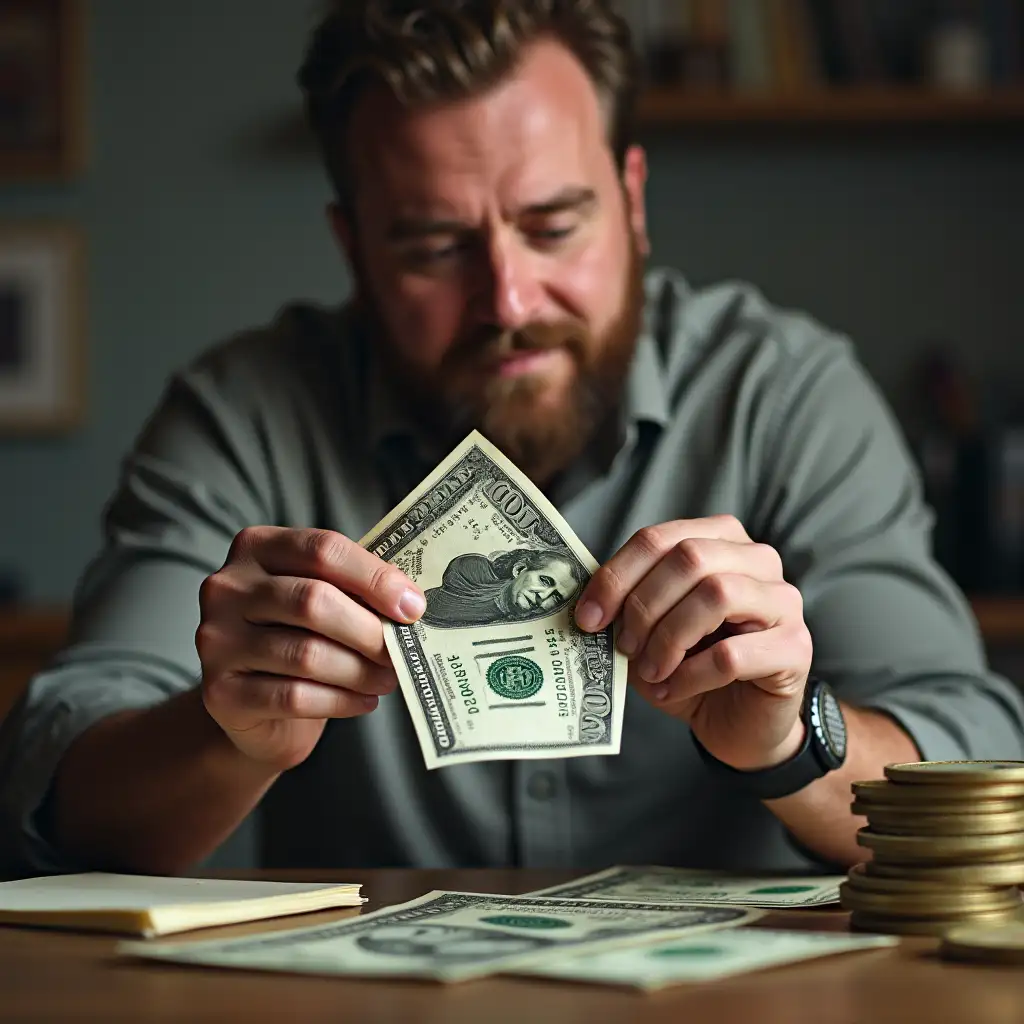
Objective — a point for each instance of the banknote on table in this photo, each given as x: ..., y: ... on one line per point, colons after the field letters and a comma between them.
x: 451, y: 936
x: 712, y: 888
x: 496, y: 668
x: 704, y: 958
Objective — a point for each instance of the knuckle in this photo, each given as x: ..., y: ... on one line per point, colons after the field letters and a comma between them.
x: 650, y: 540
x: 289, y: 699
x: 245, y: 541
x: 209, y: 639
x: 605, y: 583
x: 303, y: 656
x: 326, y: 550
x: 637, y: 613
x: 204, y: 638
x: 803, y: 643
x: 311, y: 600
x: 771, y: 557
x: 212, y: 591
x: 219, y: 693
x: 670, y: 645
x: 717, y: 591
x: 381, y: 577
x: 691, y: 556
x: 726, y: 657
x: 730, y: 524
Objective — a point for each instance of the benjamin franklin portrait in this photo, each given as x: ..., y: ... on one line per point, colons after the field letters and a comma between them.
x: 522, y: 584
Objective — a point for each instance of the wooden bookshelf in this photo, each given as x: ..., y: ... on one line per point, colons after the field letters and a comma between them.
x: 1000, y: 618
x: 836, y: 107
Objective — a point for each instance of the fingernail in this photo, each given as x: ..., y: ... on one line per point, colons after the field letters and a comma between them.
x: 648, y: 670
x: 659, y: 692
x: 588, y: 615
x: 627, y: 643
x: 369, y: 700
x: 412, y: 605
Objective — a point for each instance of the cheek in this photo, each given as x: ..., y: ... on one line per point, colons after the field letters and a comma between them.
x: 592, y: 284
x: 422, y: 316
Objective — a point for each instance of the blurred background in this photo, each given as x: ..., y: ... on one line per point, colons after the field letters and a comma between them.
x: 862, y: 160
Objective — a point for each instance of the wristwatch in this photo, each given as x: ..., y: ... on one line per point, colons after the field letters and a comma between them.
x: 823, y: 750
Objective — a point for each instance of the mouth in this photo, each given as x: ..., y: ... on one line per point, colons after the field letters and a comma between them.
x: 518, y: 364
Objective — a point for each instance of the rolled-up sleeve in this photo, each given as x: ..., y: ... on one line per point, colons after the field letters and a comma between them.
x: 192, y: 481
x: 841, y: 499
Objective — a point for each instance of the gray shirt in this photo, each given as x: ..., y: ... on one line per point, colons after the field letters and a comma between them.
x: 730, y: 406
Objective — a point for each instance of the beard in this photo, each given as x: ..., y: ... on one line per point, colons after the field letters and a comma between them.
x: 540, y: 436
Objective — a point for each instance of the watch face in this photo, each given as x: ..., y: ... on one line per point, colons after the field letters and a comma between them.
x: 828, y: 722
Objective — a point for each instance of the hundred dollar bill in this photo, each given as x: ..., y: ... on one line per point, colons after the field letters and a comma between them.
x: 707, y: 958
x: 496, y: 668
x: 712, y: 888
x: 450, y: 936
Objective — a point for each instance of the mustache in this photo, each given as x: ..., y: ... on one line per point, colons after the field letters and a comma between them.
x: 492, y: 343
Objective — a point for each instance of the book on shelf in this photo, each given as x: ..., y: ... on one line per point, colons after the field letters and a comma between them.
x: 787, y: 46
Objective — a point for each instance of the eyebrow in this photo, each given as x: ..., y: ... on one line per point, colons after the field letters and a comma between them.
x: 571, y: 198
x: 410, y: 227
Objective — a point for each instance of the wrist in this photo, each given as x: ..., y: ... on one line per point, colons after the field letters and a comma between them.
x: 820, y: 747
x: 785, y: 751
x: 220, y: 751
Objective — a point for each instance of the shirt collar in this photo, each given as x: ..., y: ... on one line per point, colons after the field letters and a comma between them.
x: 644, y: 398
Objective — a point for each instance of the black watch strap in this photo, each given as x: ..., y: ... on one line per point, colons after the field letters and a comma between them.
x: 823, y: 750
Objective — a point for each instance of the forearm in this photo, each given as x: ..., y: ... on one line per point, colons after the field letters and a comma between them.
x: 818, y: 816
x: 153, y: 791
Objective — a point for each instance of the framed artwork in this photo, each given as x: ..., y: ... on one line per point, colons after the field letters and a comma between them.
x: 42, y: 102
x: 41, y: 328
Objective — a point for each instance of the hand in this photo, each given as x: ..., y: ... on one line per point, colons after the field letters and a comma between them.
x: 286, y: 639
x: 714, y: 634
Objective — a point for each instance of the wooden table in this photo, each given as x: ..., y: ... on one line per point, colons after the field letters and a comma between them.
x: 60, y: 976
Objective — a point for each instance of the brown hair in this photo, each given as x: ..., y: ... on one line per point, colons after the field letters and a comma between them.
x: 428, y: 51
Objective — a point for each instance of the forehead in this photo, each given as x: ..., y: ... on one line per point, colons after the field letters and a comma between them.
x: 556, y: 566
x: 540, y: 128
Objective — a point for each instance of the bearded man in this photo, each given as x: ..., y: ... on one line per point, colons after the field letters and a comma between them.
x: 750, y: 499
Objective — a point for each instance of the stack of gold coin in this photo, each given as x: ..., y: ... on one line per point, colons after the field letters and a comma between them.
x: 1004, y: 945
x: 947, y: 844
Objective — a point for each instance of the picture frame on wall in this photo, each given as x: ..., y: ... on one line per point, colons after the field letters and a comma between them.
x: 42, y: 317
x: 42, y: 86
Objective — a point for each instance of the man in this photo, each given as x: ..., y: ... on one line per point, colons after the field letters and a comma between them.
x: 515, y: 585
x: 729, y: 464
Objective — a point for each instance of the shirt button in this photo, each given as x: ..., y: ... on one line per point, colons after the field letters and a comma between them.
x: 541, y: 786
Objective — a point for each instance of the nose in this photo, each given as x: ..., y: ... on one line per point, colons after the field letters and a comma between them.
x: 514, y: 288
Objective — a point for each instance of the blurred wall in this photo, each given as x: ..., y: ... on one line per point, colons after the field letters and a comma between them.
x: 194, y: 230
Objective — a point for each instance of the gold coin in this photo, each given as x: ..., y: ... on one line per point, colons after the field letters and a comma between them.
x: 1003, y: 945
x: 860, y: 878
x: 945, y: 799
x: 927, y: 905
x: 980, y: 873
x: 952, y: 773
x: 990, y: 797
x: 936, y: 849
x: 937, y: 927
x: 899, y: 823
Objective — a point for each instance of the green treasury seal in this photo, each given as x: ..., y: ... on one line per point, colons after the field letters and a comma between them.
x: 514, y: 677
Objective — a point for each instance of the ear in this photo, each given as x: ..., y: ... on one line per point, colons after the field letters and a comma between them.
x: 634, y: 180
